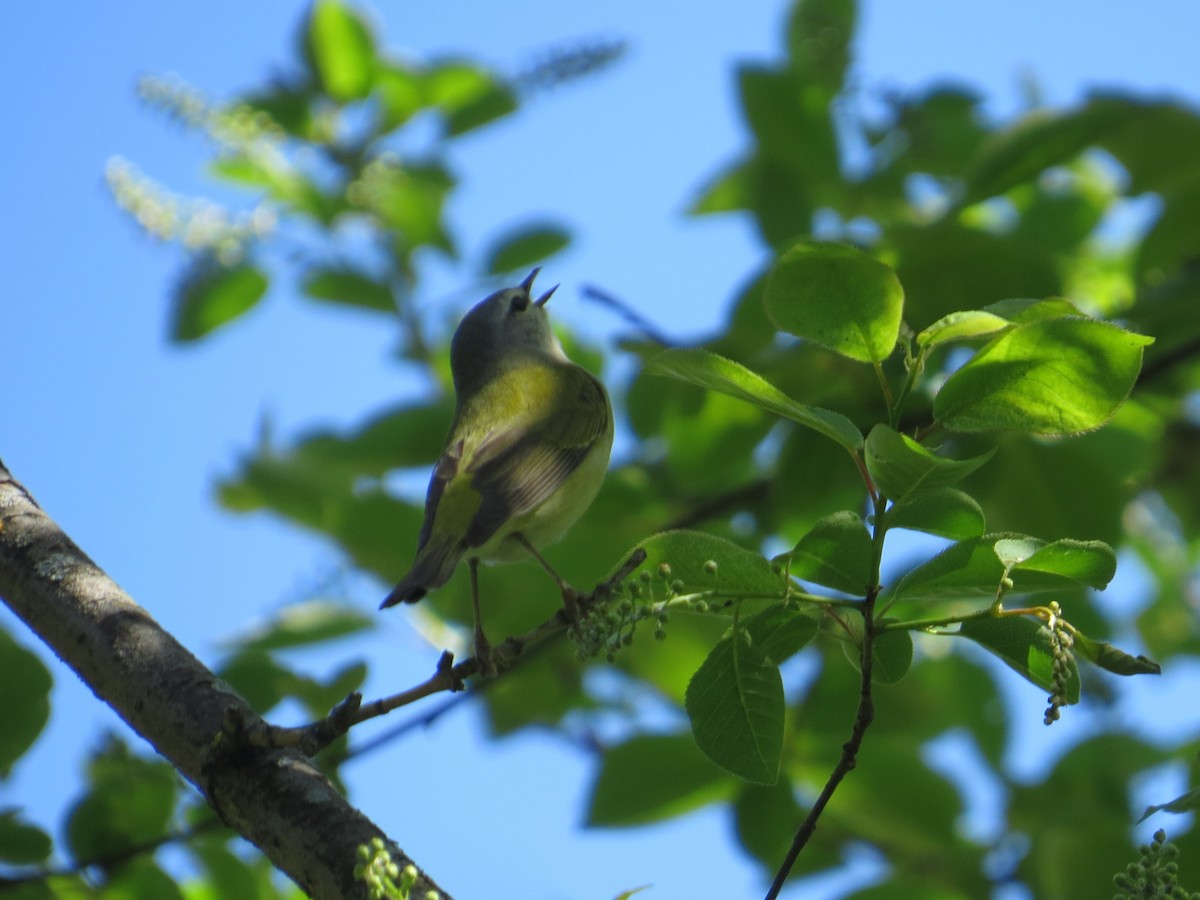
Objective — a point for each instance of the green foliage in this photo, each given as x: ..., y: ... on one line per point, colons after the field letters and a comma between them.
x: 25, y: 699
x: 1024, y: 391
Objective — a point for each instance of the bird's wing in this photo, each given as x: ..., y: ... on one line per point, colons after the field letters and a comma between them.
x: 516, y: 468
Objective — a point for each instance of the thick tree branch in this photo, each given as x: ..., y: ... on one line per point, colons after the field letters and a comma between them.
x: 275, y: 798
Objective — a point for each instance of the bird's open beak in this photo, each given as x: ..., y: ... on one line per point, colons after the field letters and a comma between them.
x: 541, y: 301
x: 527, y: 284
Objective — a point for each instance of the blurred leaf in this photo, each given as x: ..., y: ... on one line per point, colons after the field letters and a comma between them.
x: 653, y: 777
x: 686, y: 553
x: 766, y: 817
x: 735, y: 703
x: 257, y: 677
x: 1024, y: 644
x: 129, y: 801
x: 1184, y: 803
x: 716, y: 373
x: 891, y: 651
x: 342, y: 50
x: 401, y: 94
x: 1025, y: 310
x: 839, y: 297
x: 779, y: 631
x: 350, y: 287
x: 902, y: 468
x: 837, y: 552
x: 22, y: 844
x: 303, y: 624
x: 1038, y: 141
x: 227, y: 874
x: 960, y: 326
x: 947, y: 512
x: 211, y: 295
x: 468, y: 95
x: 1106, y: 656
x: 1056, y: 376
x: 140, y: 879
x: 819, y: 36
x: 523, y: 247
x: 25, y: 698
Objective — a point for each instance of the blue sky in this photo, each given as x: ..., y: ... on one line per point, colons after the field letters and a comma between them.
x: 120, y: 436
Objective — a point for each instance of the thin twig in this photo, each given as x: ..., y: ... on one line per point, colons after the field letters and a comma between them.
x: 312, y: 738
x: 628, y: 313
x: 862, y: 718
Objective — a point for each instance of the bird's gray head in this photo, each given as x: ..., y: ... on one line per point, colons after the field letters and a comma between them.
x: 509, y: 320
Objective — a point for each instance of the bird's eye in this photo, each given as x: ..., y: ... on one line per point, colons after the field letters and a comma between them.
x: 519, y: 303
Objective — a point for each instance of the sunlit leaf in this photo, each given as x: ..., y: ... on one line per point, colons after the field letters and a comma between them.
x: 902, y: 468
x: 839, y: 297
x: 342, y: 50
x: 716, y: 373
x: 961, y: 326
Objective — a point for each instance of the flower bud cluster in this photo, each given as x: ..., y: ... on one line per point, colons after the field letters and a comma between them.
x: 610, y: 627
x: 384, y: 879
x: 1062, y: 641
x: 199, y: 225
x: 1156, y: 874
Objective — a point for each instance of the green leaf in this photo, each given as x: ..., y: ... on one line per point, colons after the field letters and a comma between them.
x: 891, y: 652
x: 1055, y: 376
x: 525, y: 246
x: 779, y: 631
x: 468, y: 95
x: 342, y: 51
x: 686, y: 554
x: 837, y: 553
x: 819, y: 35
x: 947, y: 512
x: 25, y: 698
x: 256, y: 676
x: 1106, y: 656
x: 350, y: 287
x: 653, y: 777
x: 735, y: 703
x: 902, y: 468
x: 973, y: 569
x: 303, y: 624
x: 130, y: 802
x: 1024, y: 311
x: 839, y: 297
x: 141, y: 879
x: 22, y: 844
x: 1035, y: 143
x: 1184, y: 803
x: 212, y: 295
x: 961, y: 326
x: 401, y: 94
x: 1024, y: 644
x: 716, y: 373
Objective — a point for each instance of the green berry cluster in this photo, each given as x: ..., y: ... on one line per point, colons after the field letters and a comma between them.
x: 610, y: 627
x: 1061, y: 643
x: 1156, y: 874
x: 384, y: 879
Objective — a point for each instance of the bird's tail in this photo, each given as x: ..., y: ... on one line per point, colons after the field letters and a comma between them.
x: 432, y: 568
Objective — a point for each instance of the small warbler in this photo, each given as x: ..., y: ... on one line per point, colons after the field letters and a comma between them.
x: 525, y: 456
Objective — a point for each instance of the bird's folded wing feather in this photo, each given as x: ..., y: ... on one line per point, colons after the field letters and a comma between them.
x: 517, y: 469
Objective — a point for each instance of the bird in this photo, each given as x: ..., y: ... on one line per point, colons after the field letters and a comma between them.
x: 526, y: 454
